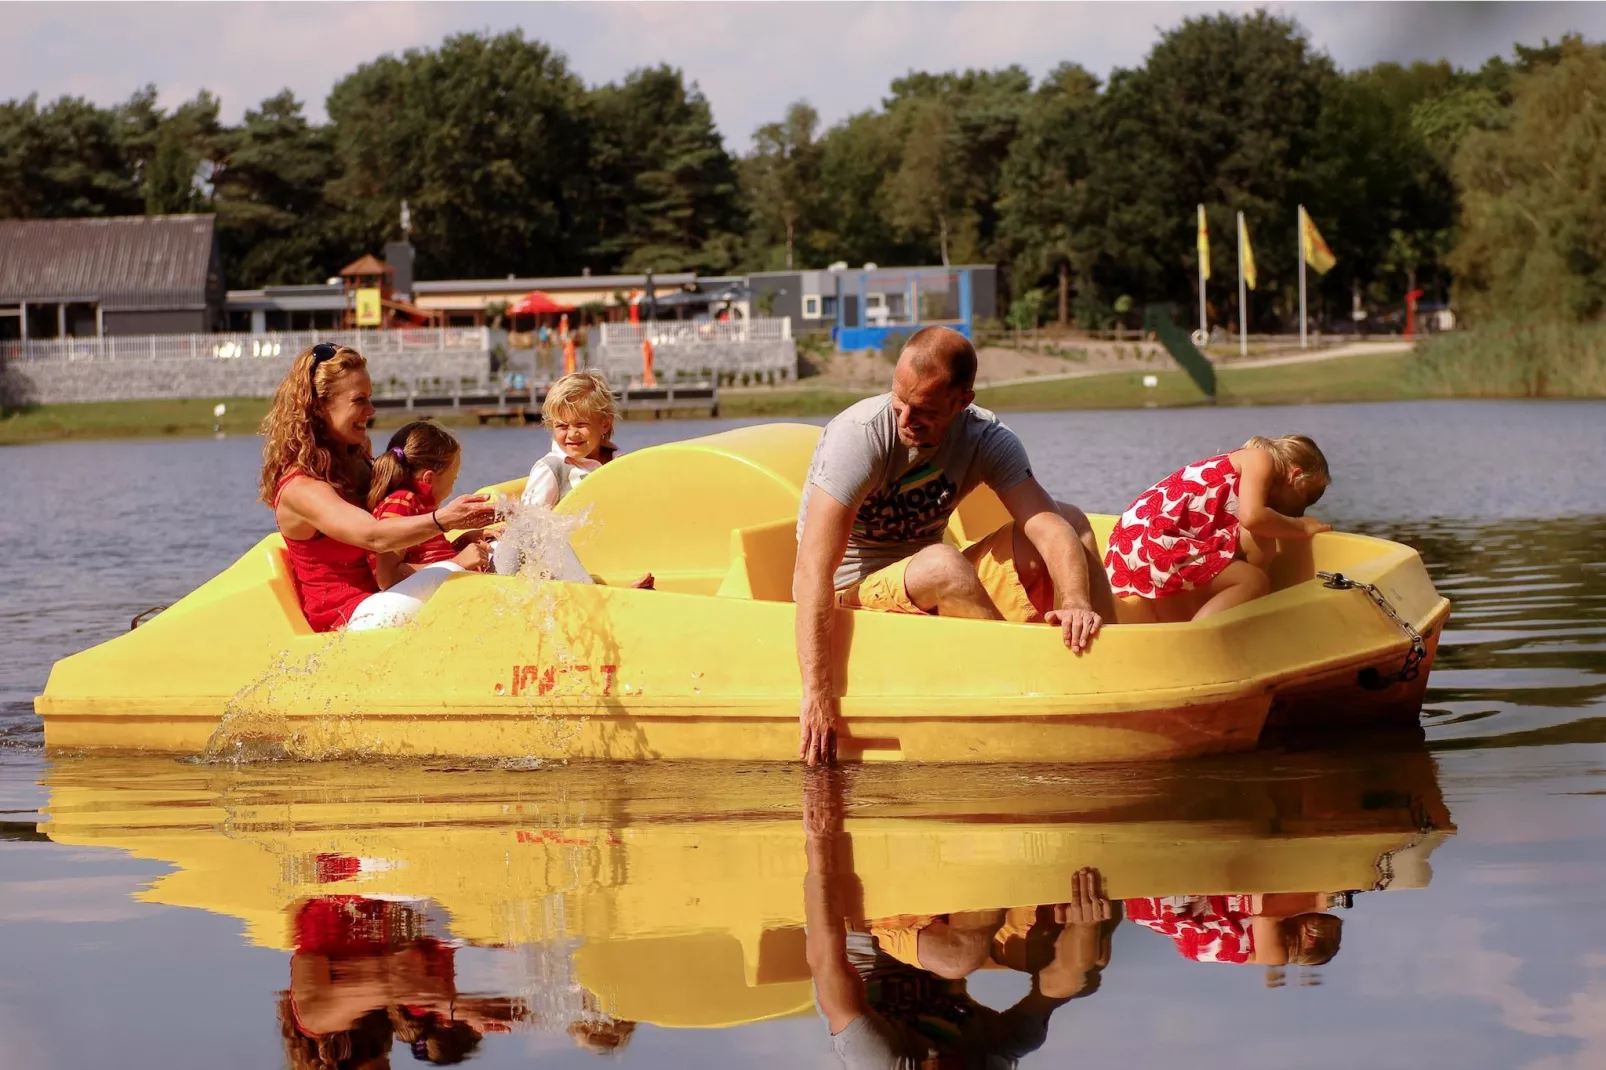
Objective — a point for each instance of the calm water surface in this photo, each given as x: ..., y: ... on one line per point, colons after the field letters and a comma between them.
x: 157, y: 913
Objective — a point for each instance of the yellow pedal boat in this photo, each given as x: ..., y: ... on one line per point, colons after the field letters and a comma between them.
x: 675, y: 895
x: 705, y: 666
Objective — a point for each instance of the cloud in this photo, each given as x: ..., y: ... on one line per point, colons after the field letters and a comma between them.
x: 751, y: 59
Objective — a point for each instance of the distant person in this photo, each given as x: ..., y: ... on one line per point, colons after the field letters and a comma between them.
x: 316, y: 472
x: 419, y: 467
x: 886, y: 476
x: 1201, y: 540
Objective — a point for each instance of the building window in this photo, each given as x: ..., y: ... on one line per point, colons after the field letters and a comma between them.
x: 811, y: 307
x: 828, y: 306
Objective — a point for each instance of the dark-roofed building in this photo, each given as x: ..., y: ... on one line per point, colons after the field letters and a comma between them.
x: 120, y: 275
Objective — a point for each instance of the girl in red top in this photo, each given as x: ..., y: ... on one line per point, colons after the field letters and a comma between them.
x: 417, y: 469
x: 1211, y: 528
x: 315, y: 476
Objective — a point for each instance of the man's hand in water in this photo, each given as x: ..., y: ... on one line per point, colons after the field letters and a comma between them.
x: 1079, y: 624
x: 817, y: 729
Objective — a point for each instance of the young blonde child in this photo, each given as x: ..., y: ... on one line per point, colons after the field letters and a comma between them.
x: 579, y: 411
x: 417, y: 470
x: 1213, y: 527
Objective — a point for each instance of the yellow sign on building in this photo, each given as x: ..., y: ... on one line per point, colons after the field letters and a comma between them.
x: 369, y: 311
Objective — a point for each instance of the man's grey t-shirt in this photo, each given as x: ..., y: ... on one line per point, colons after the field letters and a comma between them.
x: 902, y: 497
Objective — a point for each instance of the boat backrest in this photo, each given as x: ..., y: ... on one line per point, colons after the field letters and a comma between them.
x: 761, y: 561
x: 670, y: 510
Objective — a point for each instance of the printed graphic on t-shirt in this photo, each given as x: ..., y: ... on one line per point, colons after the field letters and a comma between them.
x: 916, y: 507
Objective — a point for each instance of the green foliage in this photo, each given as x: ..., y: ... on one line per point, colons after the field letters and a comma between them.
x: 63, y: 160
x: 664, y: 193
x: 892, y: 345
x: 780, y: 179
x: 1026, y: 311
x: 484, y: 137
x: 276, y: 225
x: 1533, y: 197
x: 509, y: 162
x: 1555, y: 359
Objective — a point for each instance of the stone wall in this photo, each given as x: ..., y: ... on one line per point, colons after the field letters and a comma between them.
x: 50, y: 382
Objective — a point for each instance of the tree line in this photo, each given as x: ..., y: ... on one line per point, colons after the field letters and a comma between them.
x: 1420, y: 177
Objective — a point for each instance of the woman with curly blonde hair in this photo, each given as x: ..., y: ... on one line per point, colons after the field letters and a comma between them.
x: 315, y: 475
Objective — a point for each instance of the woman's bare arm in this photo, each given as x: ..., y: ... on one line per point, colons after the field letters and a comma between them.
x: 318, y: 505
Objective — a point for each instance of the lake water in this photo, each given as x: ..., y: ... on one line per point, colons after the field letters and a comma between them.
x: 158, y: 913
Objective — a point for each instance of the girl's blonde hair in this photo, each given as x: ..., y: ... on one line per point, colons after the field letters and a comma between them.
x: 420, y: 446
x: 584, y: 393
x: 1294, y: 451
x: 294, y: 432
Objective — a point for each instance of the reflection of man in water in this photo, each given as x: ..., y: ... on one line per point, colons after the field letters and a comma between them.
x: 884, y: 1012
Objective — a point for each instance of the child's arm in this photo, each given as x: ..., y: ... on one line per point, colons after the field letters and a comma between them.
x: 1254, y: 514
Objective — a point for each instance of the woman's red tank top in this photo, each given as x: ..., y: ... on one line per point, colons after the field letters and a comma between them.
x: 331, y: 577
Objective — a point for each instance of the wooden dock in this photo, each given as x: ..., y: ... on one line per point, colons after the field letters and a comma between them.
x: 524, y: 406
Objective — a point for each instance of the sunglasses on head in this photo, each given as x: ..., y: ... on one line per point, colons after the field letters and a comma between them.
x: 321, y: 352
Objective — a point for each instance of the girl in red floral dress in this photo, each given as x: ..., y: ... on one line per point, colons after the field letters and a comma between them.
x: 1211, y: 528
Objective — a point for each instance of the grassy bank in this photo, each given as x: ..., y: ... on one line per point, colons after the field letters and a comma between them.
x: 1383, y: 377
x: 1514, y: 361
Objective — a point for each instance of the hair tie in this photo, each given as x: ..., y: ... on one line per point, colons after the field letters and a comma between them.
x: 401, y: 454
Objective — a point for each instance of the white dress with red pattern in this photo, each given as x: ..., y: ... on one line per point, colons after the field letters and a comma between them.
x: 1180, y: 533
x: 1205, y: 928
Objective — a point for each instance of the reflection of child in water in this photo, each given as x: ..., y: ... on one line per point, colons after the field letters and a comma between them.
x: 366, y: 973
x: 1267, y: 930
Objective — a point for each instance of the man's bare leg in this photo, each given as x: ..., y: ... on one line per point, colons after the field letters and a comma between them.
x: 1029, y: 566
x: 940, y: 580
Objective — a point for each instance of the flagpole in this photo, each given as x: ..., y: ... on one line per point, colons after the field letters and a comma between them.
x: 1204, y: 326
x: 1243, y: 301
x: 1301, y: 228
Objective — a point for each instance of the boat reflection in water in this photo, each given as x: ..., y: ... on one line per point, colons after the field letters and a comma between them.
x: 677, y: 895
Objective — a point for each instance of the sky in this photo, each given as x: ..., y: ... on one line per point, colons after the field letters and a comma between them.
x: 750, y: 59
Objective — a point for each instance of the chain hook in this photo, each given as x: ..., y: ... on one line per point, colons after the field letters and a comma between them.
x: 1419, y: 647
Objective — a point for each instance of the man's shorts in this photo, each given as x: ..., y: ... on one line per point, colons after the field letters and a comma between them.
x: 993, y: 557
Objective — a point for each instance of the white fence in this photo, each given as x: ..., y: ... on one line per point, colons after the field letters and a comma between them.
x: 232, y: 346
x: 699, y: 332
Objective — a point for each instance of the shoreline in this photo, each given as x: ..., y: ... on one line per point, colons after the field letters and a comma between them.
x: 1357, y: 378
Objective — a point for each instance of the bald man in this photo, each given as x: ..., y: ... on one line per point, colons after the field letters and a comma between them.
x: 886, y: 476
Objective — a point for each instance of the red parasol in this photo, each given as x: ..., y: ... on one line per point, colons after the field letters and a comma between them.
x: 536, y: 303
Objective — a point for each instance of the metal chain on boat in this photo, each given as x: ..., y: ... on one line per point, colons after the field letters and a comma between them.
x: 1419, y: 647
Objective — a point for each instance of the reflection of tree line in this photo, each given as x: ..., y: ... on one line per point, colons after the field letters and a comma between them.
x: 893, y: 990
x: 367, y: 973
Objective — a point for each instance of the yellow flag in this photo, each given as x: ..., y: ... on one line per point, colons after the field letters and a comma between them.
x: 1248, y: 267
x: 1204, y: 245
x: 1317, y: 254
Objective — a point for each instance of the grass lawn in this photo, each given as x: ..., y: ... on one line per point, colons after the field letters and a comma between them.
x: 1367, y: 378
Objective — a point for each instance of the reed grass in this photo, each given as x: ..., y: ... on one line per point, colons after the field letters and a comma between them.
x: 1514, y: 360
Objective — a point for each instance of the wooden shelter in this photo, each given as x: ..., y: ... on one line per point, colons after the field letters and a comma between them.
x: 368, y: 272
